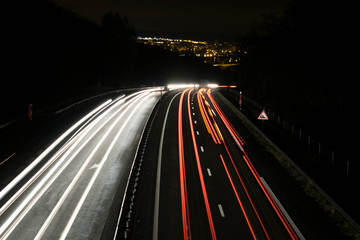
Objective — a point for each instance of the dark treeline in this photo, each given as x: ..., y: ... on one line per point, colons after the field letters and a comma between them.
x: 303, y: 65
x: 52, y: 53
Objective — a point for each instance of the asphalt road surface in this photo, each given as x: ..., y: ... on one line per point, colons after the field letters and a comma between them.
x: 200, y: 178
x: 67, y: 192
x: 206, y: 186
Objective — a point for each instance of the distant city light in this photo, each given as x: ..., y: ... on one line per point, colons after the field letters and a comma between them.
x: 222, y: 55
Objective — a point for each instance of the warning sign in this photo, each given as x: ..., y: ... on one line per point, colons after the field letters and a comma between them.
x: 263, y: 116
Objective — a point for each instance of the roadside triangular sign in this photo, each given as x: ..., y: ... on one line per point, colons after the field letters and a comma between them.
x: 263, y: 116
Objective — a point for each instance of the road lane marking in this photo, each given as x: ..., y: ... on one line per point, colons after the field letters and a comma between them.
x: 48, y: 150
x: 201, y: 148
x: 238, y: 198
x: 209, y: 172
x: 101, y: 164
x: 158, y: 175
x: 81, y: 170
x: 195, y: 122
x: 183, y: 190
x: 201, y: 177
x: 293, y: 225
x: 193, y: 113
x: 221, y: 210
x: 40, y: 185
x: 25, y: 209
x: 197, y: 133
x: 96, y: 165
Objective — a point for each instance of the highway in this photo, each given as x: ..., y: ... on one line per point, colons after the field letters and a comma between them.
x: 68, y: 190
x: 206, y: 185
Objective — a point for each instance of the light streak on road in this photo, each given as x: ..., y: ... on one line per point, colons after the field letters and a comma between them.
x: 105, y: 157
x: 202, y: 182
x: 238, y: 198
x: 206, y: 118
x: 245, y: 189
x: 270, y: 198
x: 49, y: 172
x: 183, y: 190
x: 239, y: 142
x: 158, y: 174
x: 49, y: 149
x: 73, y: 144
x: 238, y: 139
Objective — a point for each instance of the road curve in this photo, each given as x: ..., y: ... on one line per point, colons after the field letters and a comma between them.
x: 207, y: 187
x: 67, y: 192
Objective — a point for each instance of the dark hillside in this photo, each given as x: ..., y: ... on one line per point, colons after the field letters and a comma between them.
x: 303, y: 66
x: 52, y: 54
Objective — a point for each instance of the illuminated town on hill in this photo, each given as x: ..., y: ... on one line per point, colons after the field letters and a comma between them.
x: 220, y: 54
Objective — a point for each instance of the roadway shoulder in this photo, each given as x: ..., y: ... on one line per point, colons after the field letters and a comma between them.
x: 294, y: 191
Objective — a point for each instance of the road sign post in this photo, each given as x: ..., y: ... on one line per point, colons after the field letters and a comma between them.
x: 240, y: 100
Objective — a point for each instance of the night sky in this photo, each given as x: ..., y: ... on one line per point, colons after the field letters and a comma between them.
x: 195, y: 19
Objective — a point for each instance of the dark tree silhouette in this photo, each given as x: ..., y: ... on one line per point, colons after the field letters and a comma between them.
x: 53, y: 54
x: 302, y: 65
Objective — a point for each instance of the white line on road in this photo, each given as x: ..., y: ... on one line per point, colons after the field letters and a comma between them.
x: 193, y: 113
x: 195, y: 122
x: 221, y: 210
x: 96, y: 165
x: 49, y: 149
x: 197, y: 133
x: 209, y: 172
x: 40, y: 186
x: 298, y: 233
x: 202, y: 149
x: 79, y: 173
x: 158, y: 175
x: 103, y: 160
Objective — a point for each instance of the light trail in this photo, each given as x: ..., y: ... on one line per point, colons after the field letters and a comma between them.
x: 28, y: 200
x: 238, y: 198
x: 206, y: 118
x: 158, y: 174
x: 270, y: 198
x: 272, y: 202
x: 213, y: 124
x: 73, y: 144
x: 82, y: 169
x: 183, y: 190
x: 202, y: 182
x: 100, y: 165
x: 49, y: 149
x: 246, y: 191
x: 240, y: 141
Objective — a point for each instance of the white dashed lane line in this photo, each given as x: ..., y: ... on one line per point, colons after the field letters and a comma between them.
x: 209, y: 172
x: 201, y: 148
x: 221, y: 210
